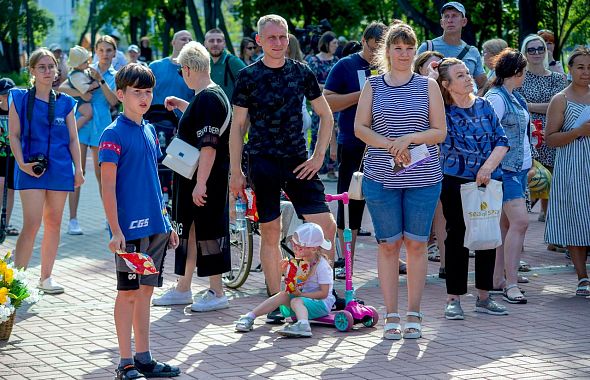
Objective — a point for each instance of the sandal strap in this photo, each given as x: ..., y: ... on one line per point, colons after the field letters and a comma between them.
x: 413, y: 325
x: 391, y: 315
x: 506, y: 289
x: 582, y: 280
x: 416, y: 314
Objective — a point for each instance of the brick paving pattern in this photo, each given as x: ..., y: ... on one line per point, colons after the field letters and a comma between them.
x: 72, y: 336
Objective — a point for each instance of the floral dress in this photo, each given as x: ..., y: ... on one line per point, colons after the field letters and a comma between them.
x: 540, y: 89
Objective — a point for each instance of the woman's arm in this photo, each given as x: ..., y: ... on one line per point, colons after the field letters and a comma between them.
x: 14, y: 136
x: 206, y: 160
x: 484, y: 174
x: 173, y: 103
x: 538, y: 107
x: 75, y: 149
x: 108, y: 93
x: 555, y: 118
x: 364, y: 118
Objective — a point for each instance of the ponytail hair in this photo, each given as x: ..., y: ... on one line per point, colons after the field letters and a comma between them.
x: 508, y: 63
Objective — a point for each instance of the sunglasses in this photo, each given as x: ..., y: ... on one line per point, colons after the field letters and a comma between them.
x: 537, y: 50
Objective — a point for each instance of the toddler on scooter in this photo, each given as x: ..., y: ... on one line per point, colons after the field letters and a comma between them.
x: 314, y: 300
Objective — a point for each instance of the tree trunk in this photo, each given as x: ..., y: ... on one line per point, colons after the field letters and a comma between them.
x: 247, y: 18
x: 133, y: 26
x: 528, y: 14
x: 221, y: 23
x: 194, y: 15
x: 143, y: 25
x: 165, y: 35
x: 209, y: 22
x: 420, y: 18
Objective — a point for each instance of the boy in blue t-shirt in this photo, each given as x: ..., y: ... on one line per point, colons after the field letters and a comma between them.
x: 134, y: 206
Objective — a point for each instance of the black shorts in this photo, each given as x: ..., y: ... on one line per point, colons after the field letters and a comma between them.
x: 11, y: 165
x: 155, y: 246
x: 269, y: 175
x: 350, y: 158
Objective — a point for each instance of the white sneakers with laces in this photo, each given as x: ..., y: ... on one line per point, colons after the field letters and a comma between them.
x: 209, y: 302
x: 173, y: 297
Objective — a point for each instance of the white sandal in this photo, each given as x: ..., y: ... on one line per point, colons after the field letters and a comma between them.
x: 416, y: 326
x: 392, y: 326
x: 583, y: 290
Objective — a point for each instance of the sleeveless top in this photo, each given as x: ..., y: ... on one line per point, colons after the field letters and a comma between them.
x: 398, y: 111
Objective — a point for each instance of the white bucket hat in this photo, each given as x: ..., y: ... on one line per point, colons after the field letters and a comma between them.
x: 78, y: 55
x: 310, y: 235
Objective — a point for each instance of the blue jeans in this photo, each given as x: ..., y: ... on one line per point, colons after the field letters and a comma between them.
x: 401, y: 212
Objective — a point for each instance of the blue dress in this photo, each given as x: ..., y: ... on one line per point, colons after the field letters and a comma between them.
x: 90, y: 133
x: 59, y: 175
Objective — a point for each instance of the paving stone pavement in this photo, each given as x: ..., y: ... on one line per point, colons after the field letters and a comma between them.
x: 72, y: 336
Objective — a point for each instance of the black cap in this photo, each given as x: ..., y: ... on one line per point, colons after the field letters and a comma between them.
x: 5, y: 85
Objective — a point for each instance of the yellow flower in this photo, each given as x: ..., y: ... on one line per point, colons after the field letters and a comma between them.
x: 3, y: 295
x: 8, y: 275
x: 2, y: 267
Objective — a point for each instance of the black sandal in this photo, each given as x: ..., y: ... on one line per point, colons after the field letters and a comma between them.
x: 129, y: 372
x: 157, y: 369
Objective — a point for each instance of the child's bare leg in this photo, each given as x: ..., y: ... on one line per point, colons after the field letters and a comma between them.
x: 124, y: 311
x: 85, y: 111
x: 270, y: 304
x: 141, y: 318
x: 299, y: 308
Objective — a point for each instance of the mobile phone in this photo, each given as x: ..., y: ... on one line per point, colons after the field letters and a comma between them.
x: 129, y: 248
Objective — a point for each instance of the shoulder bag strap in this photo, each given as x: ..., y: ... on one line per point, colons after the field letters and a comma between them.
x: 429, y: 45
x: 229, y: 112
x: 464, y: 52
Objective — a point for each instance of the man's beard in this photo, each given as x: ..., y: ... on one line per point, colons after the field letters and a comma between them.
x: 216, y: 55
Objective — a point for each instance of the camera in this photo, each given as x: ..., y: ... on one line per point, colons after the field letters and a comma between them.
x: 40, y: 163
x: 310, y: 35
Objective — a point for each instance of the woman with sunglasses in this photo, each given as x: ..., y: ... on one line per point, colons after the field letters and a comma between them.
x: 512, y: 111
x: 568, y: 130
x: 200, y: 204
x: 539, y: 86
x: 44, y: 141
x: 247, y: 50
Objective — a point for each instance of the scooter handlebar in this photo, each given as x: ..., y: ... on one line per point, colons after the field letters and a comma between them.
x: 337, y: 197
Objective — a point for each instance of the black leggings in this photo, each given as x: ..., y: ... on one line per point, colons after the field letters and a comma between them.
x: 457, y: 256
x: 350, y: 158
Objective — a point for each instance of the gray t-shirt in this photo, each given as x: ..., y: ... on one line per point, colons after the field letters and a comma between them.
x: 472, y: 59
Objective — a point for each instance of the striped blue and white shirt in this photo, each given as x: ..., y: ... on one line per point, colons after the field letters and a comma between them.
x: 398, y: 111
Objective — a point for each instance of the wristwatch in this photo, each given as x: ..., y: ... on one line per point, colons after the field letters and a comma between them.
x: 102, y: 81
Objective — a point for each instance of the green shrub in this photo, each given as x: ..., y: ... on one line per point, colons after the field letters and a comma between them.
x: 20, y: 79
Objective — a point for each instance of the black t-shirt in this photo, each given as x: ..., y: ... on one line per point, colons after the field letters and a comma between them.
x: 201, y: 122
x: 274, y: 97
x: 4, y: 142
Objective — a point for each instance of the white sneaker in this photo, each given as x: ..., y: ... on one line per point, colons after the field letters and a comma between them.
x: 173, y: 297
x: 74, y: 228
x: 50, y: 286
x: 209, y: 302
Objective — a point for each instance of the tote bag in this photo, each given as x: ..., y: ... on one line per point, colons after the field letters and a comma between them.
x: 182, y: 157
x: 482, y: 208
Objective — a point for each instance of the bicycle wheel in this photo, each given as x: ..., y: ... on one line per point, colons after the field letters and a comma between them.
x: 241, y: 243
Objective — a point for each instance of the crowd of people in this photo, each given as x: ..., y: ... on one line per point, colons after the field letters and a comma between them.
x: 390, y: 100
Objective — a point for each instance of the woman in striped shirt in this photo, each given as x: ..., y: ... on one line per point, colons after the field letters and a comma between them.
x: 398, y: 112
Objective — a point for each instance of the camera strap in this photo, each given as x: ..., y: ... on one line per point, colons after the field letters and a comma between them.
x: 50, y: 116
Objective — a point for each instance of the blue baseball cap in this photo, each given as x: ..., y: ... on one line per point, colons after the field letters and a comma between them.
x: 453, y: 5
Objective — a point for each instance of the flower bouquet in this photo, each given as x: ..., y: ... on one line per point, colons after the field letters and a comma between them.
x: 14, y: 290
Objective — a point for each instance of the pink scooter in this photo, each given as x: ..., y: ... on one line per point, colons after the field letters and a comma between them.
x: 353, y: 312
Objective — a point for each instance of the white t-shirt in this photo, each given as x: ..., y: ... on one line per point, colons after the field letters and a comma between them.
x: 500, y: 108
x: 321, y: 275
x: 81, y: 81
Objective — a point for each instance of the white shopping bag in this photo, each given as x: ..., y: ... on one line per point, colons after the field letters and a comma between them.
x: 482, y: 208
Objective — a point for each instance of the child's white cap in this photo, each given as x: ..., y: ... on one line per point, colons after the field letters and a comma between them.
x: 310, y: 235
x: 78, y: 55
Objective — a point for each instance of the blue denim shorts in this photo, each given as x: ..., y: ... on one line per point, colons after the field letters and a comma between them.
x: 401, y: 212
x: 315, y: 308
x: 514, y: 185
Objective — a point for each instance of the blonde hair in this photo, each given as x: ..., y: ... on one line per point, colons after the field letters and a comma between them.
x: 535, y: 37
x: 195, y: 56
x: 399, y: 32
x: 36, y: 57
x: 444, y: 75
x: 275, y: 19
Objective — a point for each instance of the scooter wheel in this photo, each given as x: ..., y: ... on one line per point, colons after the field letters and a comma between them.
x: 343, y: 320
x: 371, y: 320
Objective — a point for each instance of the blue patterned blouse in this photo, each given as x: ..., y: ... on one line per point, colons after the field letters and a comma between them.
x: 472, y: 134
